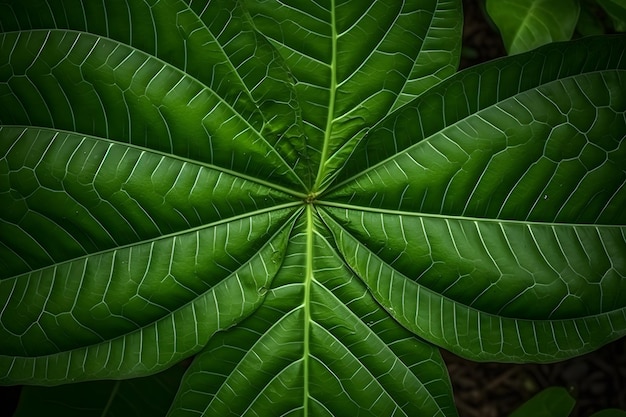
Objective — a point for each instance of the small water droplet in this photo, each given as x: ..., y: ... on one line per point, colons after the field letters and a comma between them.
x: 276, y: 257
x: 262, y: 291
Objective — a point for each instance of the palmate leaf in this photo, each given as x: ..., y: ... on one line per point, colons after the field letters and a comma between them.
x: 302, y: 196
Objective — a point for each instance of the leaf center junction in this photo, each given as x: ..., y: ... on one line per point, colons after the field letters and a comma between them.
x: 310, y: 198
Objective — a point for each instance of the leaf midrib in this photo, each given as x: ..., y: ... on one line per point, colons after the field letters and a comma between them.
x: 201, y: 164
x: 216, y: 223
x: 524, y: 24
x: 321, y: 172
x: 374, y: 292
x: 307, y: 309
x: 377, y: 210
x: 184, y: 74
x: 460, y: 76
x: 288, y: 221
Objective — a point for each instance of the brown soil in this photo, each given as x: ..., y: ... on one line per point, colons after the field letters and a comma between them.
x: 596, y: 380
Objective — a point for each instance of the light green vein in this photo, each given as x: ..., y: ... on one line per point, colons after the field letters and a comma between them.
x: 331, y: 101
x: 307, y: 306
x: 377, y: 210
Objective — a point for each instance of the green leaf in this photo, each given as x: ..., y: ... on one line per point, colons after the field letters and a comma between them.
x: 150, y: 396
x: 354, y: 62
x: 528, y: 24
x: 146, y: 246
x: 498, y: 196
x: 351, y: 357
x: 551, y: 402
x: 616, y: 10
x: 302, y: 198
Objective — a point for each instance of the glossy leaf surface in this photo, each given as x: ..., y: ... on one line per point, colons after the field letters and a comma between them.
x: 304, y: 198
x: 528, y: 24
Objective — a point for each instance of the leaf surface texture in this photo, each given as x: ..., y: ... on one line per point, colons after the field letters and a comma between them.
x: 303, y: 197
